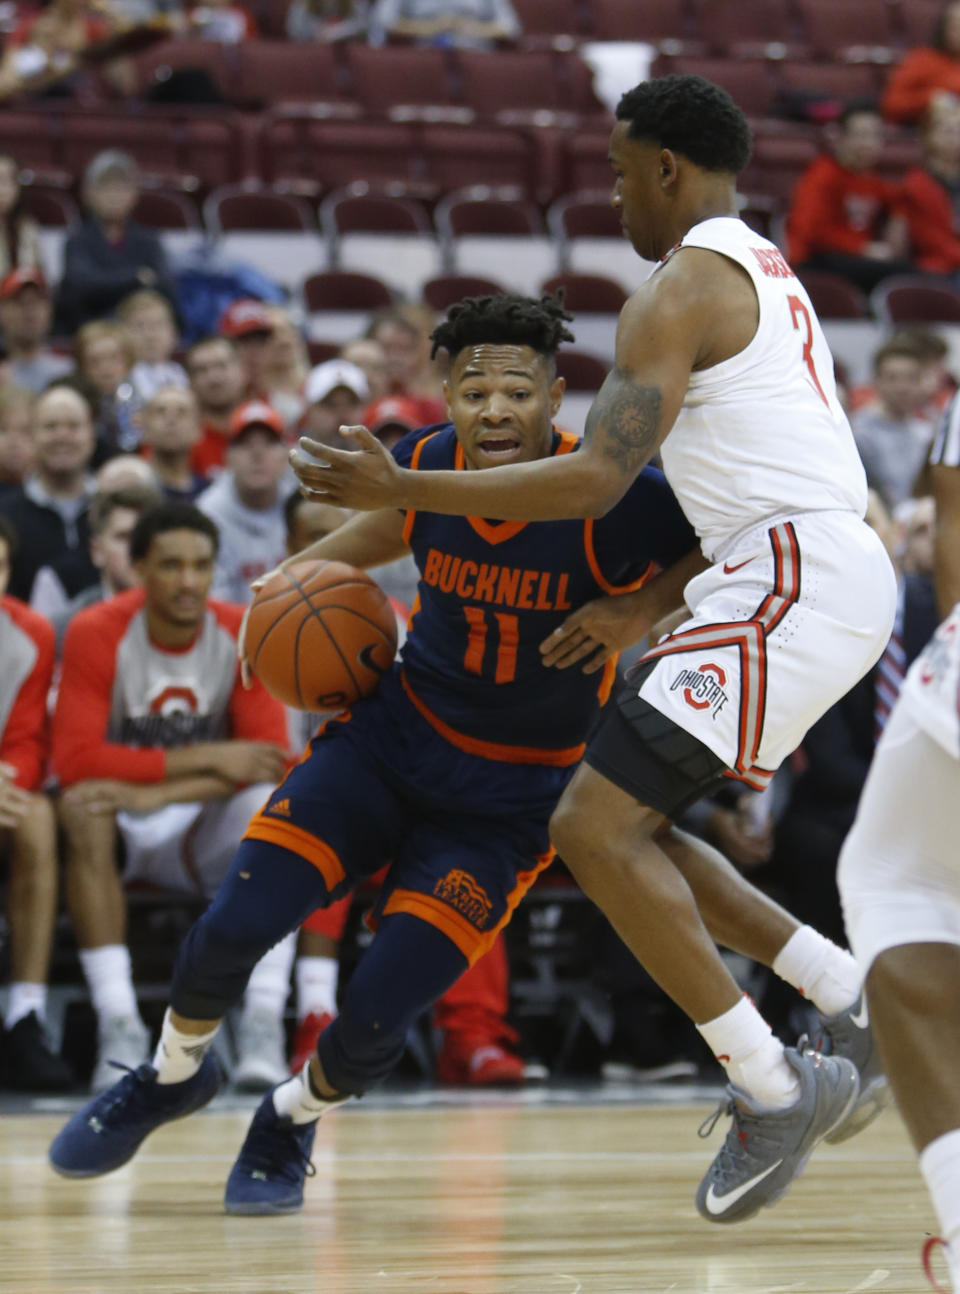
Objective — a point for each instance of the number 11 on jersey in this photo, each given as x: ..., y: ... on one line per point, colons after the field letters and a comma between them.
x: 508, y: 637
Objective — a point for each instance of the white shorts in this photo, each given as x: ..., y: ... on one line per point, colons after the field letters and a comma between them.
x: 188, y: 847
x: 780, y: 630
x: 899, y: 872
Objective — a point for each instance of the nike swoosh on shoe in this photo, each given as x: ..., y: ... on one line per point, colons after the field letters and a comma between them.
x: 862, y: 1017
x: 719, y: 1204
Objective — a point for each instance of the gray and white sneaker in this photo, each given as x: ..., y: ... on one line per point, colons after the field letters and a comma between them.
x: 765, y: 1150
x: 262, y: 1062
x: 121, y: 1038
x: 849, y: 1034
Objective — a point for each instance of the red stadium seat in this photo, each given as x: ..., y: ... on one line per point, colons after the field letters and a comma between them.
x: 651, y: 20
x: 582, y: 372
x: 558, y: 17
x: 748, y: 81
x: 387, y: 79
x: 250, y: 206
x: 833, y: 29
x: 453, y: 157
x: 155, y: 65
x: 588, y: 293
x: 334, y: 154
x: 336, y: 290
x: 164, y: 209
x: 834, y: 297
x: 742, y: 27
x: 842, y: 82
x: 49, y: 207
x: 442, y: 292
x: 495, y: 233
x: 919, y: 19
x: 274, y: 232
x: 908, y: 298
x: 509, y: 81
x: 584, y: 164
x: 277, y: 71
x: 390, y: 237
x: 591, y: 241
x: 166, y: 144
x: 487, y: 211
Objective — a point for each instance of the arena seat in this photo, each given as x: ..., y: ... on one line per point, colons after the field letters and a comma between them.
x: 166, y: 209
x: 278, y: 71
x: 909, y: 298
x: 219, y: 61
x: 389, y: 237
x: 749, y: 81
x: 558, y: 18
x: 452, y: 157
x: 919, y: 19
x: 51, y: 208
x: 339, y: 304
x: 834, y: 297
x: 511, y: 80
x: 443, y: 291
x: 295, y: 145
x: 738, y: 28
x: 588, y: 293
x: 495, y: 233
x: 276, y: 233
x: 653, y: 20
x: 582, y: 372
x: 166, y: 144
x: 844, y: 82
x: 835, y: 31
x: 388, y: 78
x: 590, y: 239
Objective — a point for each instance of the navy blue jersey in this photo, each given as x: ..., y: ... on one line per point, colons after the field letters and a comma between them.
x: 491, y: 591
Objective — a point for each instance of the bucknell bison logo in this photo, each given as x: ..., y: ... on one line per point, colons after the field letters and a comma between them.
x: 175, y: 699
x: 462, y: 892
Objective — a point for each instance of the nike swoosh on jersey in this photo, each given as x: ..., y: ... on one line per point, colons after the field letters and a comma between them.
x: 717, y: 1204
x: 728, y: 569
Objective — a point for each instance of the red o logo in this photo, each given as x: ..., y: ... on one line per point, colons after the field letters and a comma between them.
x: 704, y: 669
x: 175, y: 700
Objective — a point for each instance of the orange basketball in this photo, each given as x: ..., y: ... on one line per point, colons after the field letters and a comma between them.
x: 320, y: 634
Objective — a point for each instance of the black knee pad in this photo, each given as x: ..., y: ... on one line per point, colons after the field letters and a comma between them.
x: 356, y: 1054
x: 213, y: 965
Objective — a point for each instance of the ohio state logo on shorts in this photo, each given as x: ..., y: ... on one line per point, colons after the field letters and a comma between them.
x: 703, y: 687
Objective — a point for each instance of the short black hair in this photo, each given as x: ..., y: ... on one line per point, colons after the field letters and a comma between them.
x: 166, y: 517
x: 8, y: 535
x: 504, y: 319
x: 692, y: 116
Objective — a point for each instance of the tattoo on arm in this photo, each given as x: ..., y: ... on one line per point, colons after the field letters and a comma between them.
x: 624, y: 421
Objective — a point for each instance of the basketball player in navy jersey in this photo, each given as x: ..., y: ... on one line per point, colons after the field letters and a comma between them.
x: 721, y: 366
x: 449, y: 772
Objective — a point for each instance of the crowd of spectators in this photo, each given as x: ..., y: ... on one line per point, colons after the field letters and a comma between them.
x: 116, y: 441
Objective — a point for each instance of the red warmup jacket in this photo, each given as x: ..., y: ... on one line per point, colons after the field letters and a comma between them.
x: 27, y: 652
x: 915, y: 81
x: 836, y: 210
x: 934, y: 243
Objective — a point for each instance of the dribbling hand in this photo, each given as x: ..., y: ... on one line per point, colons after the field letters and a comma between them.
x: 366, y: 478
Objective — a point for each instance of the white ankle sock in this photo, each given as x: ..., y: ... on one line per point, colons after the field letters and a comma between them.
x: 824, y: 973
x: 109, y: 977
x: 296, y: 1098
x: 316, y: 986
x: 25, y: 997
x: 940, y: 1165
x: 744, y: 1044
x: 269, y: 985
x: 179, y: 1055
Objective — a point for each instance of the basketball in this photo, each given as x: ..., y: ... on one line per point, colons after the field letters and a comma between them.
x: 320, y: 635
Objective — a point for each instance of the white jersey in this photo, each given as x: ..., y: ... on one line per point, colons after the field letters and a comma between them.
x: 761, y: 436
x: 931, y: 690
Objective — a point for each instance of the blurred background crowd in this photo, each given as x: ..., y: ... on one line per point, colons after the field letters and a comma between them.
x: 224, y: 225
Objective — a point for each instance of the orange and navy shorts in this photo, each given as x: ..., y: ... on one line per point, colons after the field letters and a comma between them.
x: 465, y: 837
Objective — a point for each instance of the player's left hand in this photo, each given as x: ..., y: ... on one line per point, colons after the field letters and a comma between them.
x: 594, y: 633
x: 367, y: 478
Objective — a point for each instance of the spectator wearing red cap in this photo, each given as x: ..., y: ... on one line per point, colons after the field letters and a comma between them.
x: 217, y: 379
x: 246, y: 501
x: 248, y: 323
x: 391, y: 418
x: 336, y: 393
x: 26, y: 314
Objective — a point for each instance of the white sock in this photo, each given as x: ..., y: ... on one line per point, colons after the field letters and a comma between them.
x: 940, y: 1165
x: 316, y: 986
x: 269, y: 985
x: 24, y: 998
x: 824, y: 973
x: 297, y: 1098
x: 179, y: 1055
x: 745, y: 1046
x: 109, y: 977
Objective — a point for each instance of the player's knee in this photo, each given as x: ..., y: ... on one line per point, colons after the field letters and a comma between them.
x: 361, y: 1048
x: 571, y: 834
x: 917, y: 978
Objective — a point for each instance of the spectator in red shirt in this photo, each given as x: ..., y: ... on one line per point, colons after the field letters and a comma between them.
x: 928, y: 75
x: 844, y: 216
x: 931, y: 194
x: 218, y: 381
x: 154, y: 736
x: 28, y: 837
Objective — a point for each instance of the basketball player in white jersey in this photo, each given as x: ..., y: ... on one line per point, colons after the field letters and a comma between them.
x: 721, y: 366
x: 899, y: 877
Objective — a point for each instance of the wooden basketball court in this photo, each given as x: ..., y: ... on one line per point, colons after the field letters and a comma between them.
x: 564, y: 1191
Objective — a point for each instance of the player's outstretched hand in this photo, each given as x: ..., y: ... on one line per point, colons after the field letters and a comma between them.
x: 367, y: 478
x: 594, y: 633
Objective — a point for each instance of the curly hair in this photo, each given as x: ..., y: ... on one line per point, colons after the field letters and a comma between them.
x: 692, y: 116
x: 505, y: 319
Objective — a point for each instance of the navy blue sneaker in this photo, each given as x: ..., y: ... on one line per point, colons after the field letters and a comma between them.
x: 107, y: 1131
x: 273, y: 1161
